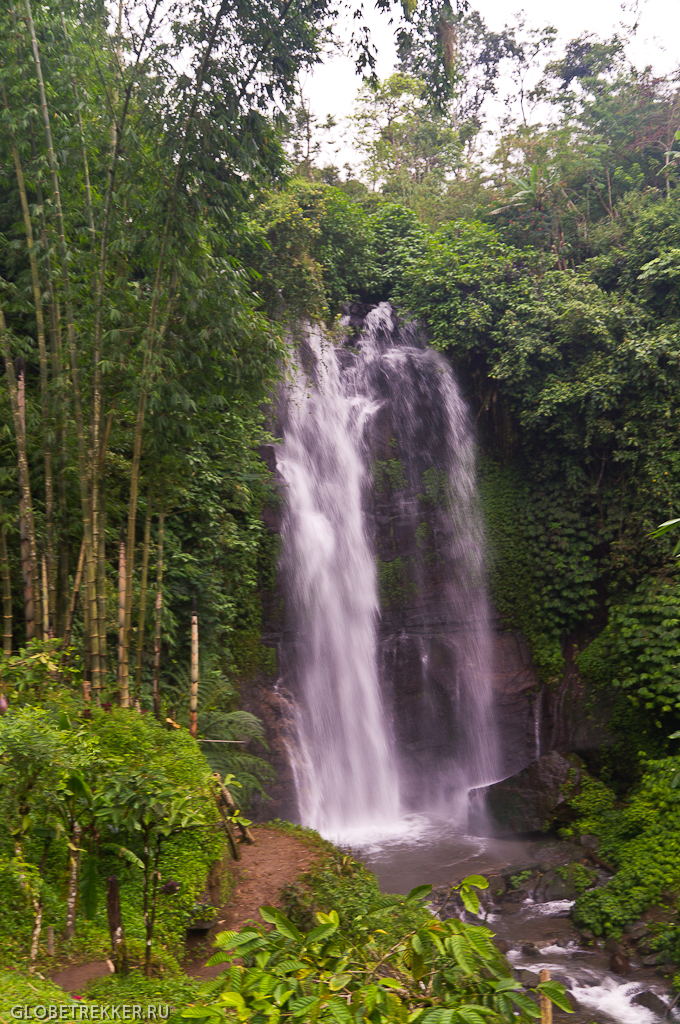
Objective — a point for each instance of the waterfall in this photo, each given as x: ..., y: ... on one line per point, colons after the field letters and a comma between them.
x: 365, y: 752
x: 345, y: 770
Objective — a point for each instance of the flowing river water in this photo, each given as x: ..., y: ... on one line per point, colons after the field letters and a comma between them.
x: 396, y: 792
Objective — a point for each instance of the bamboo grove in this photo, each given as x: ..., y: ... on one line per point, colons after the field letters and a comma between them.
x: 128, y: 328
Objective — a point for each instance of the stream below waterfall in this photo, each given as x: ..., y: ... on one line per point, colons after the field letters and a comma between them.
x: 538, y: 935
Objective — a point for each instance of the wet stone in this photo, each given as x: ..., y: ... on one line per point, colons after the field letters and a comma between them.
x: 619, y: 964
x: 635, y: 929
x: 530, y: 949
x: 651, y: 1001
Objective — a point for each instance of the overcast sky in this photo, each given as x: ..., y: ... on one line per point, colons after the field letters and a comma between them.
x: 331, y: 89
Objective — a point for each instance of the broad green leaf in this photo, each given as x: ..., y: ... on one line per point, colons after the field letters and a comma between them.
x: 281, y: 923
x: 507, y: 984
x: 479, y: 881
x: 331, y: 918
x: 339, y: 1010
x: 524, y: 1003
x: 339, y: 981
x: 233, y: 999
x: 470, y: 900
x: 419, y: 892
x: 461, y: 950
x: 322, y: 931
x: 301, y: 1006
x: 557, y: 993
x: 474, y: 1014
x: 291, y: 965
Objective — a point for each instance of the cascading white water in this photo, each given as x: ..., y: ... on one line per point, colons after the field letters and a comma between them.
x: 349, y: 759
x: 344, y: 768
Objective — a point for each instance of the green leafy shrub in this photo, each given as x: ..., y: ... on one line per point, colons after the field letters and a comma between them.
x: 639, y: 651
x: 641, y: 840
x: 439, y: 970
x: 138, y: 793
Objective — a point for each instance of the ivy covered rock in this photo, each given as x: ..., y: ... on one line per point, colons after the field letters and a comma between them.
x: 538, y: 796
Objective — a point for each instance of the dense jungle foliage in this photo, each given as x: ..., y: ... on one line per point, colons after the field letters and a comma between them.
x: 165, y: 218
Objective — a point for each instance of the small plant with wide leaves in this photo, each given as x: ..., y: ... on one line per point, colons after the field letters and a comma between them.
x: 443, y: 972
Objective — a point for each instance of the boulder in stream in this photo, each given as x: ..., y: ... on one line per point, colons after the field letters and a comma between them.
x: 538, y: 796
x: 650, y: 1001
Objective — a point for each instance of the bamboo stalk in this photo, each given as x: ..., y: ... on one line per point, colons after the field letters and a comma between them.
x: 26, y: 503
x: 141, y: 625
x: 233, y: 845
x: 28, y: 566
x: 123, y: 691
x: 89, y: 517
x: 58, y: 574
x: 193, y: 693
x: 47, y: 632
x: 48, y: 604
x: 545, y: 1003
x: 157, y: 628
x: 6, y: 591
x: 101, y: 586
x: 74, y: 597
x: 228, y: 802
x: 81, y: 130
x: 157, y: 291
x: 58, y: 587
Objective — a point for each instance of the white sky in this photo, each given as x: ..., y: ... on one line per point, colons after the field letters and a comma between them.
x: 332, y: 87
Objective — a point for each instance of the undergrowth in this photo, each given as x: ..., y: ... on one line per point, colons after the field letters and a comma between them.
x: 641, y: 840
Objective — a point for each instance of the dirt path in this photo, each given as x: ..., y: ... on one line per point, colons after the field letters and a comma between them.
x: 272, y: 862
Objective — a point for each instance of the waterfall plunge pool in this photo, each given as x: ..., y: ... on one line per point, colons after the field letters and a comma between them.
x: 419, y: 848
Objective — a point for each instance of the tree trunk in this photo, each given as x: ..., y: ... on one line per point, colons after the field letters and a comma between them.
x: 118, y: 946
x: 193, y: 695
x: 35, y: 903
x: 157, y: 629
x: 150, y: 912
